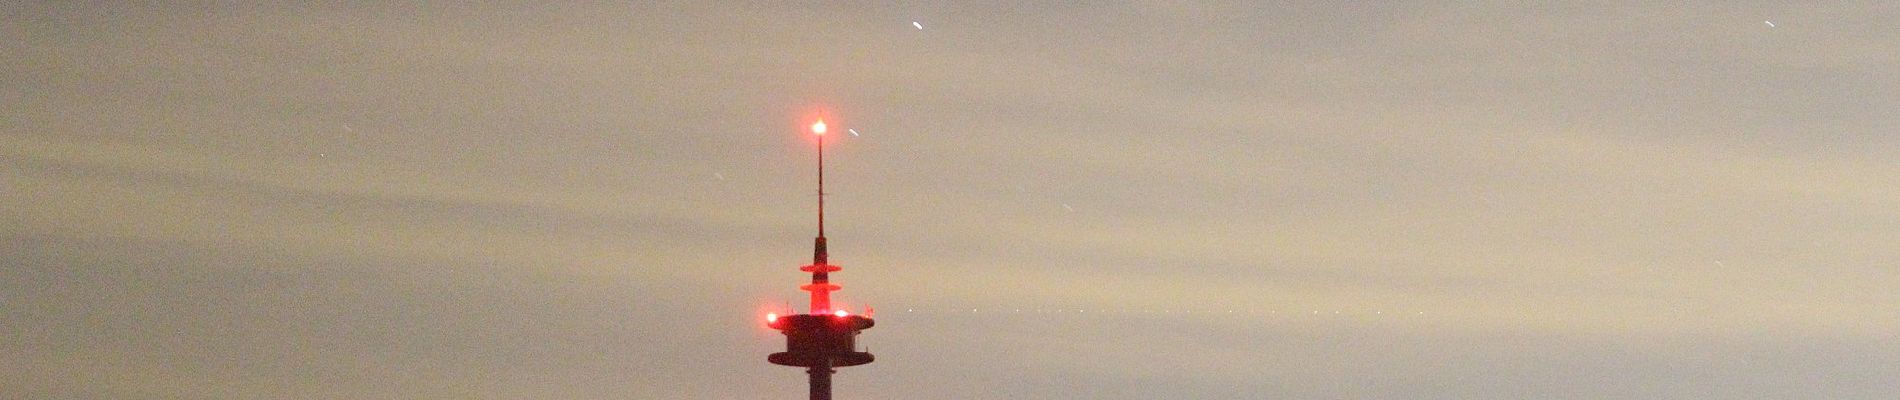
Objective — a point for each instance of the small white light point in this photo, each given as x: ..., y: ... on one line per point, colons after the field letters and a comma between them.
x: 818, y: 127
x: 920, y: 26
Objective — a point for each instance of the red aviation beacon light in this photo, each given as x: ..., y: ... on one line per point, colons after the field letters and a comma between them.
x: 824, y: 338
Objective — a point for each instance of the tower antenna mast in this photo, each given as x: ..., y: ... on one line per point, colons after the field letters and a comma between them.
x: 819, y: 130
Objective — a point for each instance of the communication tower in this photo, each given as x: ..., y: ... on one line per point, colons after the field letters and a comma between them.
x: 822, y: 339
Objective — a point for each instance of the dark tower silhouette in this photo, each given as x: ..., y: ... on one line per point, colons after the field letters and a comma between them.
x: 824, y: 338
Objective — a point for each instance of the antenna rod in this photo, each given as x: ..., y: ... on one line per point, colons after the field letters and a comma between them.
x: 821, y: 185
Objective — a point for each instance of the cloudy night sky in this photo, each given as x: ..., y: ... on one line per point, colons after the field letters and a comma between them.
x: 1328, y: 200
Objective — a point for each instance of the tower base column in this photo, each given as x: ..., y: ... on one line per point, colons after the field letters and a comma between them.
x: 820, y: 382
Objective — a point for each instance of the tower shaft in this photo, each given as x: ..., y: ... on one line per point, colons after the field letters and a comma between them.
x: 820, y: 382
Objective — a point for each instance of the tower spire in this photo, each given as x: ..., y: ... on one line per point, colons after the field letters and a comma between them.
x: 820, y: 267
x: 819, y: 129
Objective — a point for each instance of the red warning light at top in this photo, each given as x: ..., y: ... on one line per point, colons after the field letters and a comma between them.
x: 818, y: 128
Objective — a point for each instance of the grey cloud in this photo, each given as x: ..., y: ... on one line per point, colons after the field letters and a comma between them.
x: 519, y: 200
